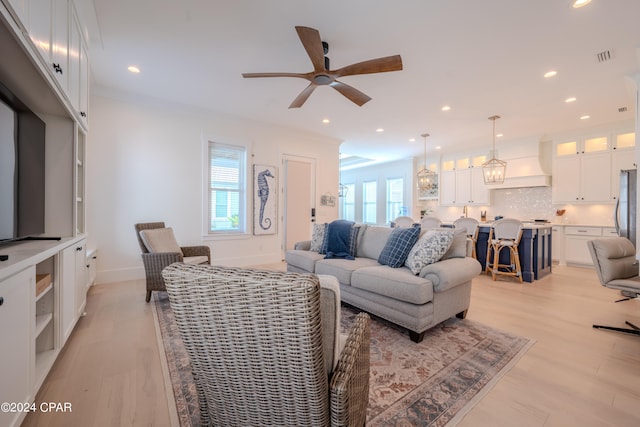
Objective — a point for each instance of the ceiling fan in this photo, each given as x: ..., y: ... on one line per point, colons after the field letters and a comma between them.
x: 322, y: 75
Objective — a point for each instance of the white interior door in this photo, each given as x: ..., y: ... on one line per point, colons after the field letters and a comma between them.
x: 298, y: 194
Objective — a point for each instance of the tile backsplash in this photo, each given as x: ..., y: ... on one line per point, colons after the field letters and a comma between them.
x: 526, y: 204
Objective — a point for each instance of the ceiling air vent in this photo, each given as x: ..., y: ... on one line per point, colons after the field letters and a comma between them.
x: 604, y: 56
x: 622, y: 109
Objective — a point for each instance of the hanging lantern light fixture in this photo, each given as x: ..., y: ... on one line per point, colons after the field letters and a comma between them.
x: 427, y: 179
x: 494, y: 170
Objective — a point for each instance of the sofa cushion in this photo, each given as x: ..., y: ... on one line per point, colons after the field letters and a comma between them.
x: 397, y: 283
x: 395, y: 251
x: 458, y: 248
x: 305, y: 260
x: 317, y: 237
x: 160, y: 240
x: 372, y: 241
x: 342, y: 268
x: 429, y: 249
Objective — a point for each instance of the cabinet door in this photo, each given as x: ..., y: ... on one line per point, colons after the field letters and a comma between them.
x: 576, y: 249
x: 84, y: 83
x: 566, y: 179
x: 448, y: 188
x: 595, y: 176
x: 67, y: 292
x: 74, y: 63
x: 40, y: 27
x: 16, y: 331
x: 60, y: 42
x: 620, y: 160
x: 21, y: 9
x: 463, y: 186
x: 81, y: 277
x: 479, y: 192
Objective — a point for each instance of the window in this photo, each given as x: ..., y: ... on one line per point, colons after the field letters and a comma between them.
x: 349, y: 203
x: 395, y: 191
x: 226, y: 188
x: 369, y: 189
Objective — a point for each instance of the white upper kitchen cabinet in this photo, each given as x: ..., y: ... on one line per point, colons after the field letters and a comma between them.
x: 582, y: 170
x: 622, y: 158
x: 462, y: 183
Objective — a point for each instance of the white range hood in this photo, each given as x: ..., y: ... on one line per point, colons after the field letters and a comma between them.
x: 528, y: 164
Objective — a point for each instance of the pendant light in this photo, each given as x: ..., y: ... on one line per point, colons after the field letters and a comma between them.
x: 494, y: 170
x: 427, y: 179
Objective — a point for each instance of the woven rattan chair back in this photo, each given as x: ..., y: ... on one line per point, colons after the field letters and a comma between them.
x: 255, y: 342
x: 146, y: 226
x: 403, y: 222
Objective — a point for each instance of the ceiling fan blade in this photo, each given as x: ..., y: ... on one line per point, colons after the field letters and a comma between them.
x: 252, y: 75
x: 379, y: 65
x: 350, y: 92
x: 310, y: 39
x: 303, y: 96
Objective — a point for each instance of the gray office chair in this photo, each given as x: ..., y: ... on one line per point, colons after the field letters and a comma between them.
x: 617, y: 268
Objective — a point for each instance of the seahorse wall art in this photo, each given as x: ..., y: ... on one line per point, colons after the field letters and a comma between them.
x: 264, y: 199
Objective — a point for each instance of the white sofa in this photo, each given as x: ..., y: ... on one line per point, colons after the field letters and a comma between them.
x: 416, y: 302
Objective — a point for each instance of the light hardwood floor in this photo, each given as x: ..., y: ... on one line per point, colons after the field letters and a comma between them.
x: 573, y: 376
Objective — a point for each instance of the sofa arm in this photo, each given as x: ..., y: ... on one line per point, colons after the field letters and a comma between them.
x: 349, y: 388
x: 305, y: 245
x: 451, y: 272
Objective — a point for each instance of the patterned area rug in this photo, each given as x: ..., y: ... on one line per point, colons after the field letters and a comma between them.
x: 434, y: 383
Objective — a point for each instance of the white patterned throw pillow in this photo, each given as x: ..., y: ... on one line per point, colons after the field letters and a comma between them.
x: 429, y: 249
x: 317, y: 237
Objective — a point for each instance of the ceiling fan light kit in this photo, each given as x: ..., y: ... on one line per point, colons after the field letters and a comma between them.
x: 494, y: 170
x: 322, y: 75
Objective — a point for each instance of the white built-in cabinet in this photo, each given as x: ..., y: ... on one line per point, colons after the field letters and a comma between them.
x: 58, y: 37
x: 461, y: 181
x: 43, y: 284
x: 570, y: 242
x: 586, y: 169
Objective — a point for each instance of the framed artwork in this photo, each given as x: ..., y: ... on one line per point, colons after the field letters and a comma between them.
x: 265, y: 199
x: 431, y: 194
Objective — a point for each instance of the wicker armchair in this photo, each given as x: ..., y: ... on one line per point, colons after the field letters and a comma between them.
x: 156, y: 261
x: 259, y: 342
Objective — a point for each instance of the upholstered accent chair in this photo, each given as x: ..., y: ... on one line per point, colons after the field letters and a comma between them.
x: 160, y: 249
x: 617, y: 268
x: 504, y: 234
x: 265, y: 347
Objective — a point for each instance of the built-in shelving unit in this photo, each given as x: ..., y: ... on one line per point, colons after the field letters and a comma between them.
x: 45, y: 344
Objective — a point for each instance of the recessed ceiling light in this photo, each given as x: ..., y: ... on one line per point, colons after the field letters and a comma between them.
x: 446, y: 108
x: 438, y: 147
x: 570, y: 99
x: 133, y: 69
x: 579, y: 3
x: 499, y: 135
x: 325, y: 121
x: 550, y: 74
x: 412, y: 140
x: 585, y: 117
x: 379, y: 130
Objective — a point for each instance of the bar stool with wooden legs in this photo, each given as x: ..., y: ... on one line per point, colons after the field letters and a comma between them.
x: 471, y: 227
x: 505, y: 233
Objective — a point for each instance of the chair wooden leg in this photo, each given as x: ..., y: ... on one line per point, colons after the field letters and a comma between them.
x: 496, y: 261
x: 148, y: 296
x: 516, y: 257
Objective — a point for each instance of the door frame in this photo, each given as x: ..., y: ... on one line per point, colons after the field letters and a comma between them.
x: 283, y: 191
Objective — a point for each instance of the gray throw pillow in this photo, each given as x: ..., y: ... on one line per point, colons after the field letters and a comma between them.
x: 317, y: 237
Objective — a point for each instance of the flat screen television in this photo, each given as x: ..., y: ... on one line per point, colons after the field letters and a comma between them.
x: 22, y: 164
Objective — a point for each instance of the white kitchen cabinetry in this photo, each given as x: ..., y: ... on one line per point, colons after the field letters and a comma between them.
x: 462, y: 182
x: 557, y: 244
x: 622, y: 158
x: 15, y: 351
x: 582, y: 171
x: 575, y: 249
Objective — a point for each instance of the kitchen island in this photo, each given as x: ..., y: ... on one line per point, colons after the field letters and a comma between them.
x: 534, y: 249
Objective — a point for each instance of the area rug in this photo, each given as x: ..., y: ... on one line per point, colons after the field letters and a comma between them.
x: 433, y: 383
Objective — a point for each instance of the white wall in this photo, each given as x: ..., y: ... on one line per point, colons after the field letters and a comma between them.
x: 145, y: 163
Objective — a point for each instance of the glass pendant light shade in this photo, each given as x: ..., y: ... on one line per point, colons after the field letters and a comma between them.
x: 494, y: 170
x: 427, y: 179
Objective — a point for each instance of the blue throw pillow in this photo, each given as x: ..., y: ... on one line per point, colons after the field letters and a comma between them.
x: 400, y: 241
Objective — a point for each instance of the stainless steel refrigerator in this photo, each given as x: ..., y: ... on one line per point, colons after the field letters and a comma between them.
x: 625, y: 214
